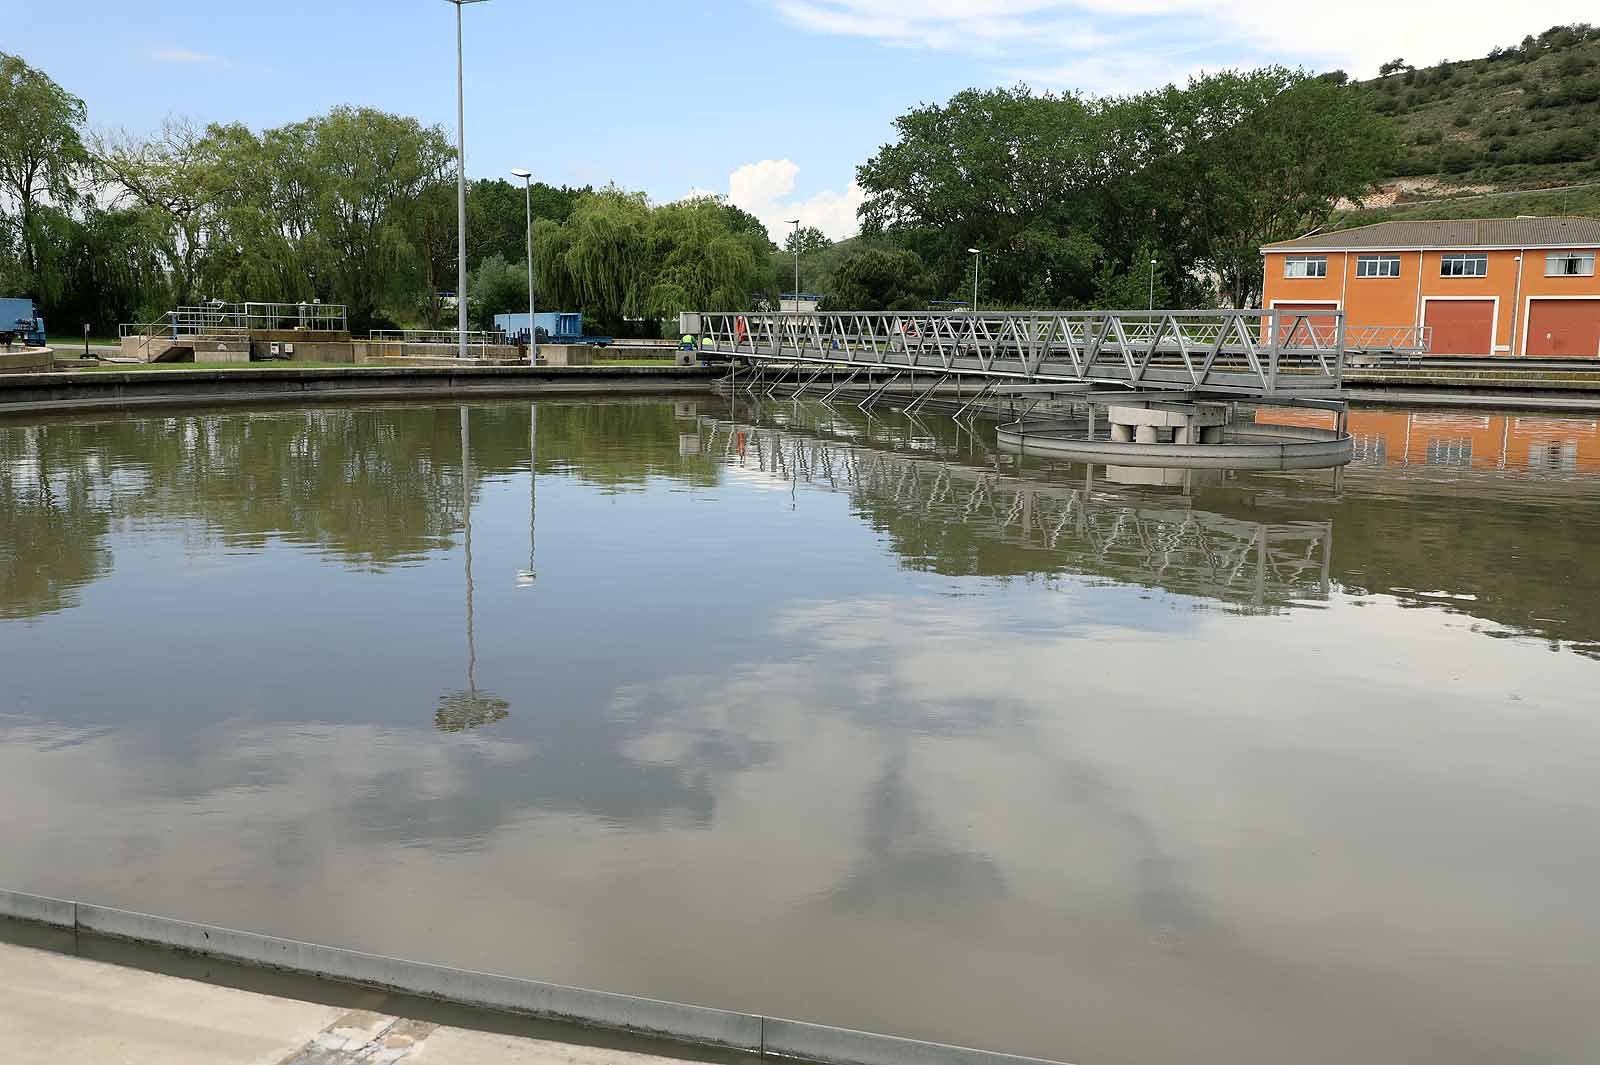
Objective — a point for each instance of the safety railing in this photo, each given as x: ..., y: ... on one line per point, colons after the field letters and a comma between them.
x: 435, y: 343
x: 1240, y: 352
x: 234, y: 319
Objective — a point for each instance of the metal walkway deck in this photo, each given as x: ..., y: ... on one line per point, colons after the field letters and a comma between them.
x: 1281, y: 354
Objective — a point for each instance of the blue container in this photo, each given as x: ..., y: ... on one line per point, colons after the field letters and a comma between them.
x: 18, y: 316
x: 558, y: 325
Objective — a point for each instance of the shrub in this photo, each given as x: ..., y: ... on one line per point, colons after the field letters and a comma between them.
x: 1572, y: 146
x: 1457, y: 158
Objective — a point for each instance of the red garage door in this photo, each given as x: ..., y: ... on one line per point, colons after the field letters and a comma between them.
x: 1460, y: 327
x: 1564, y: 327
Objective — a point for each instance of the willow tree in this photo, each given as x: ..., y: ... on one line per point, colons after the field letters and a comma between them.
x: 40, y: 152
x: 601, y: 258
x: 703, y: 261
x: 169, y: 176
x: 370, y: 173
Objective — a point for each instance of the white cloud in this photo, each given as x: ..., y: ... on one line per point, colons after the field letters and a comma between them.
x: 172, y: 54
x: 1110, y: 45
x: 766, y: 190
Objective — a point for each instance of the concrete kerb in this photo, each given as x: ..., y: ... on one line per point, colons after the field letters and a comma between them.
x: 78, y: 391
x: 752, y: 1033
x: 58, y: 913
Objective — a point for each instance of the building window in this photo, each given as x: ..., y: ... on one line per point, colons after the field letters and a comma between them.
x: 1305, y: 266
x: 1553, y: 455
x: 1377, y: 266
x: 1371, y: 449
x: 1450, y: 452
x: 1569, y: 264
x: 1464, y: 264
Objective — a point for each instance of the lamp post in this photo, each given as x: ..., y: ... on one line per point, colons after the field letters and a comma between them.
x: 461, y: 189
x: 976, y: 255
x: 796, y: 238
x: 533, y: 330
x: 1152, y: 307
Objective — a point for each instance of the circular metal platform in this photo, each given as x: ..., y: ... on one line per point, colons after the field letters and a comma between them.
x: 1250, y: 446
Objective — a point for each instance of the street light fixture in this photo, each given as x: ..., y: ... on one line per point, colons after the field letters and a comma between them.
x: 461, y: 188
x: 796, y: 223
x: 976, y: 255
x: 1152, y: 307
x: 533, y: 330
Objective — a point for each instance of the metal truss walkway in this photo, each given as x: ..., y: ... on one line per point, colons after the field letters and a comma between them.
x: 1279, y: 354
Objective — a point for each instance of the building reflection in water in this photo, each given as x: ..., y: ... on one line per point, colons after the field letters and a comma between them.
x: 1527, y: 442
x: 471, y: 707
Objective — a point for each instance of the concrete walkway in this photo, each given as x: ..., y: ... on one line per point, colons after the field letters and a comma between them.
x: 57, y: 1009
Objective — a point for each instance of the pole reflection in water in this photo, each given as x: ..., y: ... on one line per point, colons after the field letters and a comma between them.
x: 526, y: 578
x: 462, y: 710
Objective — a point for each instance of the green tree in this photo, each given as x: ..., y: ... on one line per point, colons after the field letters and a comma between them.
x: 705, y: 260
x: 41, y: 154
x: 170, y: 176
x: 496, y: 287
x: 881, y: 279
x: 1263, y: 156
x: 1005, y: 170
x: 806, y: 240
x: 497, y: 215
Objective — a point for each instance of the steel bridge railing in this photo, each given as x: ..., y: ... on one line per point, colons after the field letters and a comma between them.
x: 1237, y: 352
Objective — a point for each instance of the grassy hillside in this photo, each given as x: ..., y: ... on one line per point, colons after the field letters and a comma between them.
x: 1523, y: 117
x: 1579, y: 201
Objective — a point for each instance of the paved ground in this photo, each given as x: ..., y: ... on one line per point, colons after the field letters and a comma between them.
x: 57, y: 1009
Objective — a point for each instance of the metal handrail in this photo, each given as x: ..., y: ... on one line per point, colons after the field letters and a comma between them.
x: 1241, y: 352
x: 437, y: 336
x: 432, y: 343
x: 231, y: 319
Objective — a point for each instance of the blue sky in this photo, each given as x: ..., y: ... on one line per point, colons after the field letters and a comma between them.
x: 773, y: 102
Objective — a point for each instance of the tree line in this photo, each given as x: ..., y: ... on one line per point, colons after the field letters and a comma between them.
x: 1073, y: 202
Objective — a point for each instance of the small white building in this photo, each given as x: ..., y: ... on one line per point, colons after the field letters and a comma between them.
x: 798, y: 302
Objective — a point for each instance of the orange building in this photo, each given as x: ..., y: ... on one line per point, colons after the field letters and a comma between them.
x: 1493, y: 286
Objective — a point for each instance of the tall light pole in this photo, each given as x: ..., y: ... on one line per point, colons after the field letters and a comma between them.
x: 1152, y: 307
x: 976, y: 254
x: 533, y: 330
x: 796, y: 238
x: 461, y: 188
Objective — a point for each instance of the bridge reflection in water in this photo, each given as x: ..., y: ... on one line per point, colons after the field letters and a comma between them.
x: 1150, y: 534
